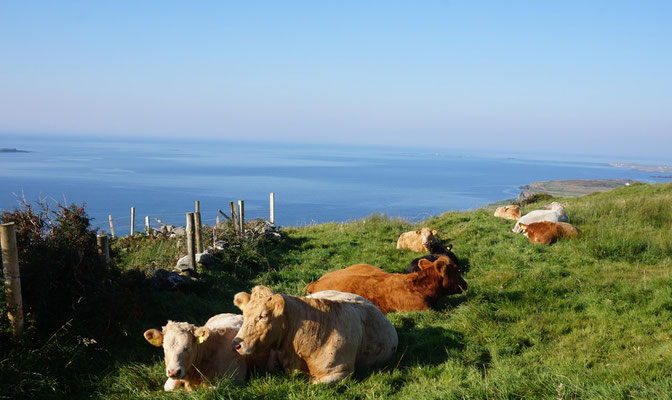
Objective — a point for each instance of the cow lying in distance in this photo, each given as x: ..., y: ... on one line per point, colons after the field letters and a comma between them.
x: 419, y: 240
x: 194, y: 354
x: 326, y: 339
x: 555, y: 213
x: 436, y: 250
x: 546, y: 232
x: 508, y: 212
x: 396, y: 292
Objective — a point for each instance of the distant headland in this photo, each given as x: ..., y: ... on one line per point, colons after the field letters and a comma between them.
x: 643, y: 167
x: 7, y: 150
x: 572, y: 187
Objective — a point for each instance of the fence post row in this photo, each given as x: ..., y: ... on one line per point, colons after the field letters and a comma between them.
x: 10, y: 262
x: 191, y: 247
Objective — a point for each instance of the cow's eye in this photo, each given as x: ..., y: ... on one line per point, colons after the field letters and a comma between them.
x: 264, y: 315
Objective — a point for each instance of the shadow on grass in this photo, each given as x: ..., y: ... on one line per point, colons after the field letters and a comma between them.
x: 429, y: 345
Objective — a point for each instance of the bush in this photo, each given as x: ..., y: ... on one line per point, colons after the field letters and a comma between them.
x: 61, y: 271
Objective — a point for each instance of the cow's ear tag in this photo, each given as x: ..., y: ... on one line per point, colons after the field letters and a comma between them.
x: 155, y: 341
x: 201, y: 339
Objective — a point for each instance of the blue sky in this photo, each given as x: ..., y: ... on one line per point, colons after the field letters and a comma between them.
x: 564, y: 76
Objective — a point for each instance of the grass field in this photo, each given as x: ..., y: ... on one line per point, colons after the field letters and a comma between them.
x: 588, y: 318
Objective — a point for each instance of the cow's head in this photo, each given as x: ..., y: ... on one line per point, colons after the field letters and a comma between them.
x: 451, y: 279
x: 179, y: 341
x: 428, y: 237
x: 263, y: 320
x: 523, y: 228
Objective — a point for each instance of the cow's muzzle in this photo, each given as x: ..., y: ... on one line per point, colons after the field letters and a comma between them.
x: 239, y: 346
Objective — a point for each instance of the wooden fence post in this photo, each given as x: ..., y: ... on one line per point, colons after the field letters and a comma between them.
x: 10, y: 262
x: 191, y: 248
x: 112, y: 227
x: 197, y: 222
x: 214, y: 231
x: 241, y: 216
x: 104, y: 248
x: 234, y: 216
x: 132, y: 221
x: 272, y: 208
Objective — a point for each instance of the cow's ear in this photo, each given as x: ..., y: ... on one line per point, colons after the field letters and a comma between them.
x: 154, y: 337
x: 434, y: 232
x: 278, y: 304
x: 201, y: 334
x: 241, y: 299
x: 441, y: 265
x: 449, y: 247
x: 424, y: 263
x: 522, y: 226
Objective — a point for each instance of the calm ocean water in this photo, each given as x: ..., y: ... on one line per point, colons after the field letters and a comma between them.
x: 312, y: 183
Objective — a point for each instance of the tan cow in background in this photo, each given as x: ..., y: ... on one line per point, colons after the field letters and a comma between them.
x: 508, y: 212
x: 420, y: 240
x: 326, y: 339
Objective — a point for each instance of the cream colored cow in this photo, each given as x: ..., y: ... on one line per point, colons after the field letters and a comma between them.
x: 420, y: 240
x: 508, y: 212
x: 197, y: 355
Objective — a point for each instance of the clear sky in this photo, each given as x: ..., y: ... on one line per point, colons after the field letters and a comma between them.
x: 565, y: 76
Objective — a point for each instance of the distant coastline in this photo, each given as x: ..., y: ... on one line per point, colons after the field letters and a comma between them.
x: 643, y: 167
x: 572, y: 187
x: 7, y: 150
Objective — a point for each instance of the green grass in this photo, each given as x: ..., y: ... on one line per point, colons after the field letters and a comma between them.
x: 587, y: 318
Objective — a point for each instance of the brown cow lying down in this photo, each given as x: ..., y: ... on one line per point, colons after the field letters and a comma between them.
x: 396, y: 292
x: 194, y: 354
x: 508, y: 212
x: 436, y: 250
x: 546, y: 232
x: 324, y: 338
x: 417, y: 240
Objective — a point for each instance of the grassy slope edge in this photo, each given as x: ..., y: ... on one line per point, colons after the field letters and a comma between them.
x: 584, y: 318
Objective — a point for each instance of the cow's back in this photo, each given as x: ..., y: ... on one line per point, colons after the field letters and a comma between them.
x: 380, y: 338
x: 410, y: 240
x: 359, y: 321
x: 225, y: 320
x: 349, y: 280
x: 539, y: 216
x: 389, y: 292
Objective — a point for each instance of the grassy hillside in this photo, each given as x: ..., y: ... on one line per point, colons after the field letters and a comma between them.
x: 584, y: 318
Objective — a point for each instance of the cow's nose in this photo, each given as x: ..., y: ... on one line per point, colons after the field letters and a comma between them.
x: 172, y: 373
x: 236, y: 344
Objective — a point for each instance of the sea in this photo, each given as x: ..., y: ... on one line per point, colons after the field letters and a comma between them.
x: 312, y: 183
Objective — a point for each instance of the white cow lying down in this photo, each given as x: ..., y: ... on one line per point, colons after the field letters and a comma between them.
x: 196, y: 355
x: 556, y: 213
